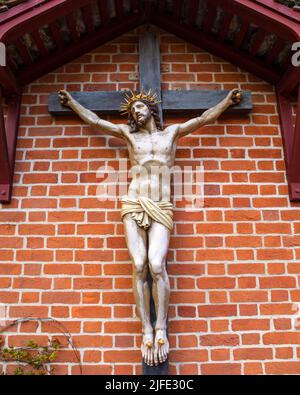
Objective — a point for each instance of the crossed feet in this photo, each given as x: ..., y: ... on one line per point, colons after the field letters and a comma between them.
x: 155, y: 352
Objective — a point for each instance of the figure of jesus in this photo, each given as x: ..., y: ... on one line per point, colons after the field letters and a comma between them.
x: 147, y: 211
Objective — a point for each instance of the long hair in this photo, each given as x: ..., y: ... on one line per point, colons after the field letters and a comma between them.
x: 153, y: 108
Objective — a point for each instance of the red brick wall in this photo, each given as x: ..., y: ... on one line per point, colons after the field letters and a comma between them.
x: 234, y: 264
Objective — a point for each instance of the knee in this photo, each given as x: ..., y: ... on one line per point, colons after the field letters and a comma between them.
x: 139, y: 266
x: 156, y: 267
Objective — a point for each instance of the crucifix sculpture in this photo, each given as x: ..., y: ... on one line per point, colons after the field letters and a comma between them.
x: 147, y: 211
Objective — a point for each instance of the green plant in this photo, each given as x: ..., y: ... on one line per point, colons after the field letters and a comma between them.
x: 32, y: 359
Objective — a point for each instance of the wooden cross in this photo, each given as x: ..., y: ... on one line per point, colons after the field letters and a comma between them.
x: 183, y: 102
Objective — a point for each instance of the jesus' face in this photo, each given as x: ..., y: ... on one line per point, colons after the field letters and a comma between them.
x: 140, y: 112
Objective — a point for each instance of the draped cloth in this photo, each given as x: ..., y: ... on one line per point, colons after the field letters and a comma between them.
x: 143, y: 210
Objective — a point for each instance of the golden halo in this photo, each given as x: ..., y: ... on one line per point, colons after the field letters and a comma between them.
x: 149, y: 96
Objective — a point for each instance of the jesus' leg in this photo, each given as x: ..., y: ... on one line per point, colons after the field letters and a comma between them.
x: 159, y: 236
x: 136, y: 239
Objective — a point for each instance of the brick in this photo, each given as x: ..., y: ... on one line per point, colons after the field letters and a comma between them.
x: 243, y: 241
x: 122, y: 356
x: 92, y: 283
x: 118, y: 297
x: 189, y: 356
x: 246, y: 268
x: 282, y: 368
x: 220, y: 355
x: 10, y: 268
x: 253, y: 353
x: 248, y: 296
x: 192, y: 325
x: 277, y: 308
x: 61, y: 297
x: 91, y: 312
x: 215, y: 255
x: 277, y: 282
x: 250, y: 324
x: 28, y: 311
x: 214, y: 228
x: 188, y: 369
x: 252, y: 368
x: 216, y: 282
x: 217, y: 310
x: 219, y: 340
x: 65, y: 242
x: 32, y: 282
x: 36, y: 229
x: 274, y: 254
x: 186, y: 311
x: 92, y: 356
x: 284, y: 353
x: 221, y: 369
x: 99, y: 369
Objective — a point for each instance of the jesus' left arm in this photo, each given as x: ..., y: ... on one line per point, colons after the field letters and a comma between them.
x: 209, y: 116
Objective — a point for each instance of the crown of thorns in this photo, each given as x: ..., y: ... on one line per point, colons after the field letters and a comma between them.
x: 149, y: 96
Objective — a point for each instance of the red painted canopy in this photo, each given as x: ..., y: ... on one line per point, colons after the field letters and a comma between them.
x: 256, y: 35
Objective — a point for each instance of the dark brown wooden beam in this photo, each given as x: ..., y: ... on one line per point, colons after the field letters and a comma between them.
x: 104, y: 17
x: 184, y: 102
x: 240, y: 36
x: 209, y: 18
x: 5, y: 173
x: 135, y: 5
x: 225, y: 26
x: 56, y: 35
x: 162, y: 5
x: 294, y: 163
x: 177, y: 5
x: 88, y: 18
x: 257, y: 41
x: 194, y: 7
x: 23, y: 52
x: 39, y: 43
x: 149, y: 64
x: 71, y: 23
x: 119, y: 8
x: 275, y: 50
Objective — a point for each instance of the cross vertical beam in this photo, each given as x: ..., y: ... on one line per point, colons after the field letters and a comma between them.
x: 149, y: 63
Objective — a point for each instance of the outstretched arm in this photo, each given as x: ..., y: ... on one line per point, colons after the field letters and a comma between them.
x: 209, y: 116
x: 90, y: 117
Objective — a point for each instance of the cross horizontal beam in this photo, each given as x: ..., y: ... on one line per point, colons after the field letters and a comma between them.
x: 194, y: 101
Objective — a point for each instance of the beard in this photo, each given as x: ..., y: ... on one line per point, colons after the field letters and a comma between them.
x: 143, y: 120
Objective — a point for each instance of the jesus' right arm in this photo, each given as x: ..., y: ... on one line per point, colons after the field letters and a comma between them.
x: 89, y: 117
